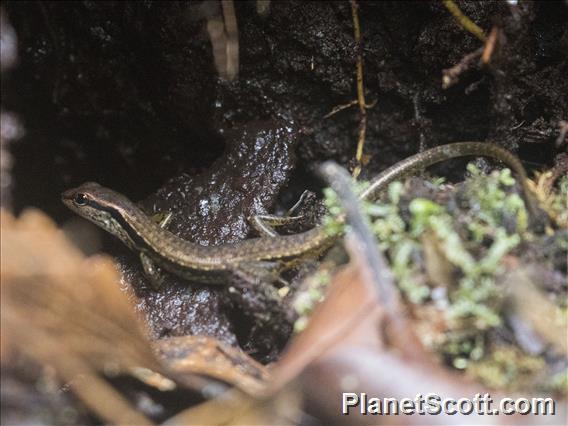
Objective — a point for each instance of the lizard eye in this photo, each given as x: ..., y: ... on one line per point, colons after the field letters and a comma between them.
x: 80, y: 199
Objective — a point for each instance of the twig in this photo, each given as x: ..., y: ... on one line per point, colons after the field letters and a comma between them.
x: 464, y: 21
x: 232, y: 47
x: 224, y: 37
x: 450, y: 75
x: 360, y: 90
x: 490, y: 45
x: 363, y: 106
x: 362, y: 242
x: 218, y: 38
x: 340, y: 182
x: 339, y: 108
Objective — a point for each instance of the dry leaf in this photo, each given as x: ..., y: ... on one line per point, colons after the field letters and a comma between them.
x: 190, y: 355
x: 64, y: 310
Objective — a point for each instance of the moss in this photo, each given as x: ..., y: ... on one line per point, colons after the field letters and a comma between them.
x: 402, y: 248
x: 331, y: 224
x: 490, y: 202
x: 463, y: 347
x: 506, y: 368
x: 484, y: 221
x: 475, y: 297
x: 407, y: 272
x: 306, y: 300
x: 488, y: 199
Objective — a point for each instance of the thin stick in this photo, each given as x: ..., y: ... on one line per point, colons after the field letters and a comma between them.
x: 339, y: 108
x: 360, y: 90
x: 464, y: 21
x: 490, y: 45
x: 232, y: 47
x: 450, y: 75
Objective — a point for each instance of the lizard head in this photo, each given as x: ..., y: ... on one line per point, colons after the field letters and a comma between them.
x: 100, y: 205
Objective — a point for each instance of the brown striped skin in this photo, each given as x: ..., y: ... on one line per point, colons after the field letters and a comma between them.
x: 119, y: 216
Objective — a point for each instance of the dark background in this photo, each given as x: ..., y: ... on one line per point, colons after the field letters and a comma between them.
x: 126, y: 93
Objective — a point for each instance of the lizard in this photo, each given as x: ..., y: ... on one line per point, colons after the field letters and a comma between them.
x: 263, y: 257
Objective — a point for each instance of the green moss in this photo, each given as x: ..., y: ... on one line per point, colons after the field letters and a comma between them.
x: 331, y: 225
x: 306, y: 300
x: 475, y: 304
x: 506, y: 367
x: 407, y: 272
x: 502, y: 244
x: 403, y: 245
x: 487, y: 221
x: 462, y: 348
x: 402, y: 248
x: 490, y: 201
x: 451, y: 242
x: 422, y: 212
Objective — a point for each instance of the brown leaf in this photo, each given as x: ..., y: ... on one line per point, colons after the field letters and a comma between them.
x: 190, y: 355
x: 532, y: 305
x: 51, y: 313
x: 48, y: 285
x: 67, y: 311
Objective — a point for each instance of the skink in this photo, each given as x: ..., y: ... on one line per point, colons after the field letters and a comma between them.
x: 213, y: 264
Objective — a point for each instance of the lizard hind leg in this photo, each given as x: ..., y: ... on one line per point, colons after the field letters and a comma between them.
x: 162, y: 219
x: 265, y: 224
